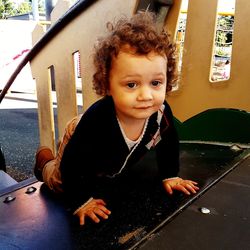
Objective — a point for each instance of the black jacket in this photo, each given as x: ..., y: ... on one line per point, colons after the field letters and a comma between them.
x: 97, y: 151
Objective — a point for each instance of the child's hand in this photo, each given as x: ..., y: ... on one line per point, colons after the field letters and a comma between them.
x: 185, y: 186
x: 93, y: 209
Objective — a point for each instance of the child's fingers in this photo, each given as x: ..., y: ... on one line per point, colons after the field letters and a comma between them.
x: 100, y: 213
x: 192, y: 185
x: 196, y: 188
x: 98, y: 210
x: 104, y: 209
x: 93, y: 216
x: 193, y: 182
x: 191, y: 188
x: 182, y: 189
x: 168, y: 188
x: 185, y: 186
x: 98, y: 204
x: 100, y: 201
x: 82, y: 220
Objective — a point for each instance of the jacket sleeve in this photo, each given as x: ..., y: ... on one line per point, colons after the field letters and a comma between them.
x: 78, y: 180
x: 167, y: 149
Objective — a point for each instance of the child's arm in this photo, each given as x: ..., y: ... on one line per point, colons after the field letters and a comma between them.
x: 185, y: 186
x: 93, y: 208
x: 168, y: 159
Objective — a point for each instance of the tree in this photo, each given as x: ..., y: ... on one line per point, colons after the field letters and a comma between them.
x: 10, y: 8
x: 24, y: 7
x: 224, y: 33
x: 6, y: 9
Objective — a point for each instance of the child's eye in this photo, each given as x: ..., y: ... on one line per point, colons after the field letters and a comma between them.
x: 131, y: 85
x: 156, y: 83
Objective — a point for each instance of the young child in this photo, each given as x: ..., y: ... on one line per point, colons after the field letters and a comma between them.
x: 135, y: 68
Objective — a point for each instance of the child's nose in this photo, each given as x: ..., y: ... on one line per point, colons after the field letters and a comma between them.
x: 145, y: 94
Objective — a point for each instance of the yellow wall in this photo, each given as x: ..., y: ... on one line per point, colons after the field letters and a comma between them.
x: 197, y: 93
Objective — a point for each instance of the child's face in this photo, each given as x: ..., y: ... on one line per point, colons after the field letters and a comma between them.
x: 138, y: 84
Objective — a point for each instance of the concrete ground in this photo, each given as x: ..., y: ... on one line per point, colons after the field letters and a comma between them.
x: 19, y: 134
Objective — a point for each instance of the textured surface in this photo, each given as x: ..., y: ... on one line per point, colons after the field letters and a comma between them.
x: 40, y: 221
x: 5, y: 180
x: 227, y: 226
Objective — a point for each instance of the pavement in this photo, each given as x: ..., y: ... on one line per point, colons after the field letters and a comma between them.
x: 19, y: 133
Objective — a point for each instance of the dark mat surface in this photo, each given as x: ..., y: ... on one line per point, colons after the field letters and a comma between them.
x: 40, y: 221
x: 227, y: 226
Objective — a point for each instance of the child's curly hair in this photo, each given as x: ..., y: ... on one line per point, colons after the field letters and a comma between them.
x: 139, y: 32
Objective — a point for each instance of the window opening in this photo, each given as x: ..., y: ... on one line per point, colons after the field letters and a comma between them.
x: 52, y: 82
x: 180, y: 35
x: 78, y: 77
x: 52, y: 78
x: 222, y: 53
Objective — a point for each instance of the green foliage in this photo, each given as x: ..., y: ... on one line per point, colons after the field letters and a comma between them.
x: 224, y: 32
x: 6, y: 9
x: 41, y: 6
x: 24, y: 7
x: 9, y: 8
x: 225, y: 22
